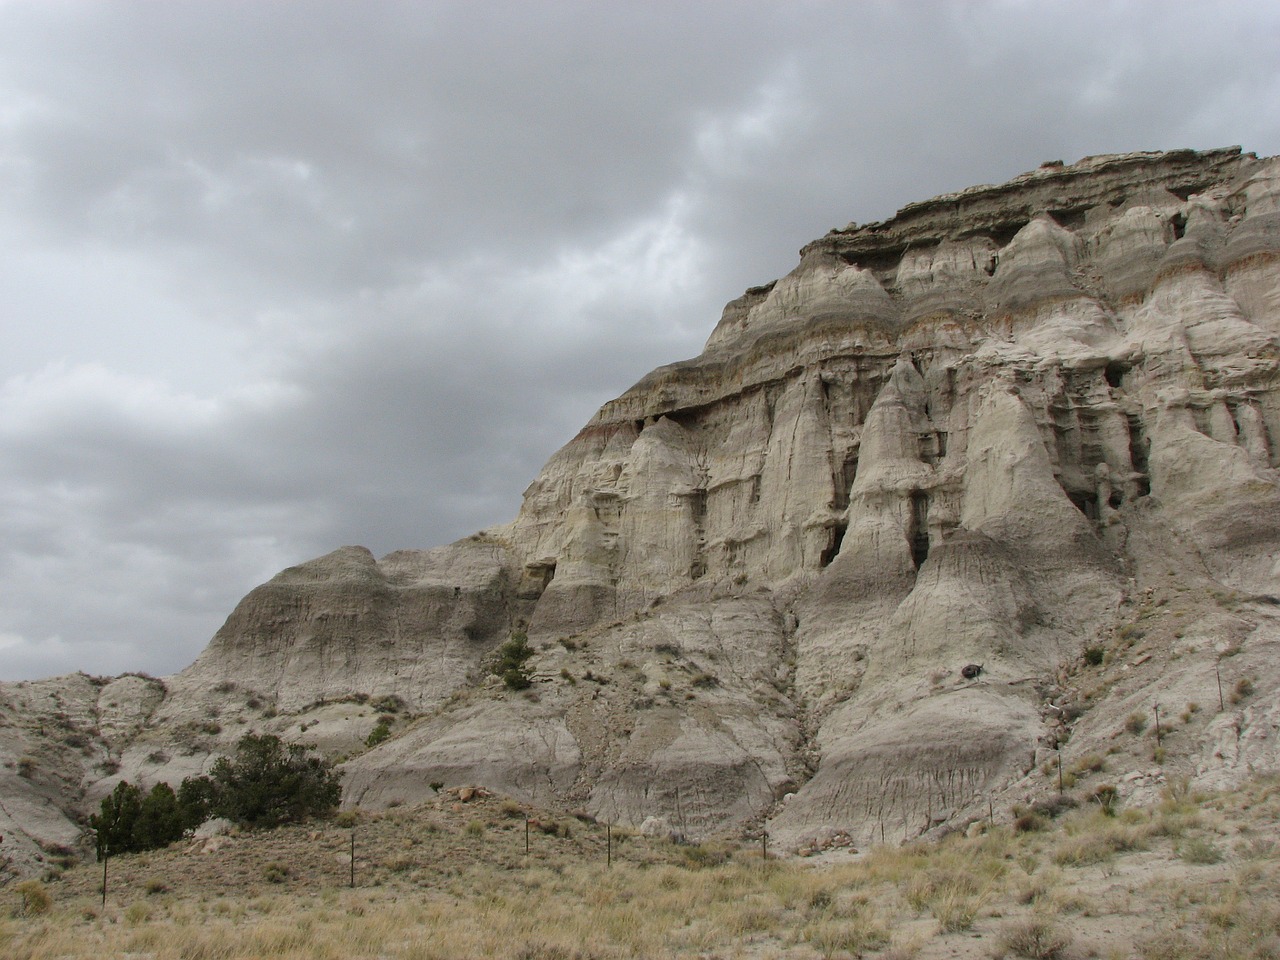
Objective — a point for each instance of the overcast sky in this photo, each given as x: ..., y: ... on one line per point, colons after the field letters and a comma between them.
x: 279, y: 277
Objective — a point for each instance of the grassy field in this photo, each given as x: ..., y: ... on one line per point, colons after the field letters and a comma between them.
x: 1194, y: 877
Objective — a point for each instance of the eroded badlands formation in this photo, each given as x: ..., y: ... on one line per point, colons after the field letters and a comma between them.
x: 1004, y: 426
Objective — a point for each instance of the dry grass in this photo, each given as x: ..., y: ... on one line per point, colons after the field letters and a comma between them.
x: 1036, y: 938
x: 429, y: 887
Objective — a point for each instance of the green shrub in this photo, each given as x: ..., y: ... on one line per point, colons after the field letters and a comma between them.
x: 1094, y: 656
x: 509, y: 664
x: 275, y: 872
x: 380, y: 732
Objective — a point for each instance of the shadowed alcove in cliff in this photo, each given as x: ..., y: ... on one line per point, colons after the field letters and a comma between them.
x: 919, y: 533
x: 1085, y: 502
x: 1138, y: 449
x: 835, y: 537
x: 1072, y: 218
x: 1114, y: 372
x: 844, y: 480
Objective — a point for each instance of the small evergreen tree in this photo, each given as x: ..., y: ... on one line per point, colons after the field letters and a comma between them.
x: 129, y: 821
x: 197, y: 797
x: 159, y: 821
x: 115, y: 821
x: 267, y: 783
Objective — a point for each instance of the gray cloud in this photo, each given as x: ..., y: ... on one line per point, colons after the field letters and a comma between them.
x: 281, y: 277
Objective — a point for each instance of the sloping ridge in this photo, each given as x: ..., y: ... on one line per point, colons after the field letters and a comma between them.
x: 1001, y: 428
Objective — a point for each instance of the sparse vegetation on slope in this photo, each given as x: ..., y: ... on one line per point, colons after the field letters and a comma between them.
x: 427, y: 886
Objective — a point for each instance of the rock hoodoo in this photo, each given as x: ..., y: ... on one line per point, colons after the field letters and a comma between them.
x: 851, y: 554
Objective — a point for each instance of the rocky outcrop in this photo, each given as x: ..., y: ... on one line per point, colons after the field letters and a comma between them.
x: 682, y: 714
x: 978, y: 433
x: 411, y: 625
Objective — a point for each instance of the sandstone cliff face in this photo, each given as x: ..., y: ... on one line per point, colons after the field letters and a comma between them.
x: 994, y: 429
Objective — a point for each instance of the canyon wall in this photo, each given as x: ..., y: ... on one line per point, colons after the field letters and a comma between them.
x: 990, y: 432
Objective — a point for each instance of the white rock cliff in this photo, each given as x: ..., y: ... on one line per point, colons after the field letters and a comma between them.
x: 1001, y: 427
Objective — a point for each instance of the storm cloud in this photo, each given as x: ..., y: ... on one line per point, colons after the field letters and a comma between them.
x: 282, y: 277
